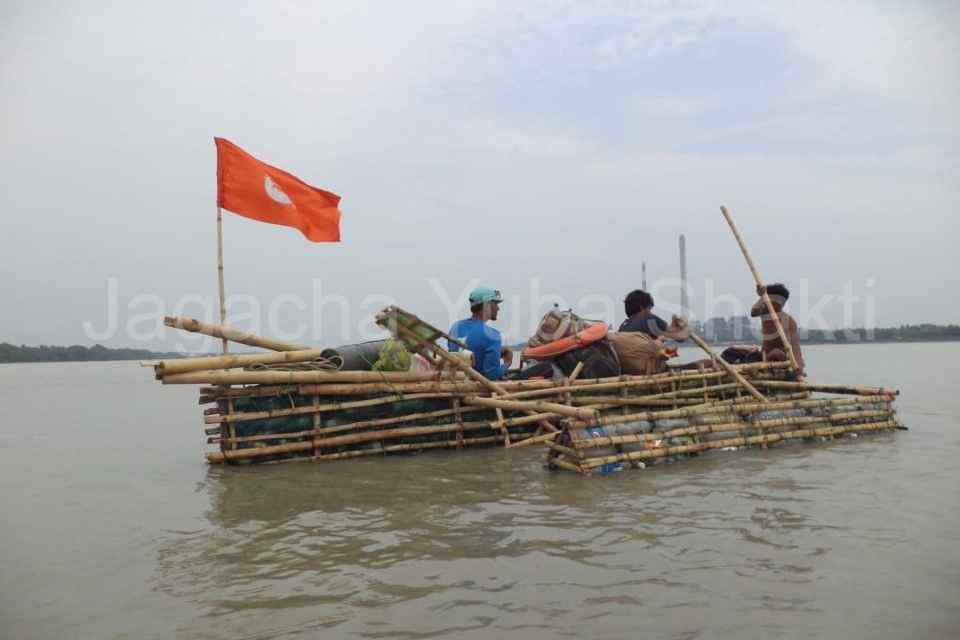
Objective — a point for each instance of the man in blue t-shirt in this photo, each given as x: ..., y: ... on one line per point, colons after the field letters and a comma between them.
x: 484, y: 341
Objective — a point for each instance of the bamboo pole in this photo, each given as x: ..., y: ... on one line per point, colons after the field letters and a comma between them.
x: 233, y: 335
x: 531, y: 388
x: 296, y: 377
x: 346, y: 455
x: 457, y: 408
x: 533, y: 407
x: 442, y: 444
x: 186, y: 365
x: 559, y: 448
x: 618, y: 401
x: 318, y: 433
x: 726, y: 367
x: 225, y: 345
x: 322, y: 408
x: 766, y: 298
x: 569, y: 466
x: 829, y: 388
x: 223, y: 297
x: 536, y: 439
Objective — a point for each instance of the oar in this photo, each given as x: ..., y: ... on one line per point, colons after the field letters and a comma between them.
x: 763, y: 290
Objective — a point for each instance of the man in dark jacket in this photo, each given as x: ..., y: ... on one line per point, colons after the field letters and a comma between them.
x: 638, y: 305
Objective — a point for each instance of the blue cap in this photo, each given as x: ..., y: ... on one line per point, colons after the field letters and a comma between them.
x: 481, y: 295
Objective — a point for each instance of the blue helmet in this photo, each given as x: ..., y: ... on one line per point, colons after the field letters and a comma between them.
x: 481, y: 295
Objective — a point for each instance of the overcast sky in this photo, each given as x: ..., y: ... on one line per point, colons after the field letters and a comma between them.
x: 537, y: 146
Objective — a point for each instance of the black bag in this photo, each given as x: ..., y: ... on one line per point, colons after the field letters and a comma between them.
x: 742, y: 353
x: 599, y: 360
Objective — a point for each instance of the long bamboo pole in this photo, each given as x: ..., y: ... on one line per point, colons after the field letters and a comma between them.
x: 396, y: 448
x: 223, y: 297
x: 829, y: 388
x: 297, y: 377
x: 530, y: 388
x: 186, y: 365
x: 766, y: 298
x: 534, y: 407
x: 225, y: 345
x: 227, y: 333
x: 311, y: 409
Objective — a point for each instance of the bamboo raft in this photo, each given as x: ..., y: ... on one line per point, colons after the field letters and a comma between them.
x: 291, y: 403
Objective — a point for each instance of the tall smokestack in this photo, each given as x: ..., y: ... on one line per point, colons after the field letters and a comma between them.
x: 643, y: 275
x: 683, y: 276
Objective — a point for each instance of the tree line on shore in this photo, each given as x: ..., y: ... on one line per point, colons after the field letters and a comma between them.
x: 74, y: 353
x: 722, y: 331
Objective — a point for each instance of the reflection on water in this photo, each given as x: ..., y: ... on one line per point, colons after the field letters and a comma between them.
x: 444, y: 544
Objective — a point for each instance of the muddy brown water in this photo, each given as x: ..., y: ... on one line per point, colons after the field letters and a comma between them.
x: 114, y: 527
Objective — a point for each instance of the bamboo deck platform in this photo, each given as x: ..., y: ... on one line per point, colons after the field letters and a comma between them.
x: 288, y: 405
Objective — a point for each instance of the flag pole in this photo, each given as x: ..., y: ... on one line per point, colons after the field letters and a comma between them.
x: 223, y: 301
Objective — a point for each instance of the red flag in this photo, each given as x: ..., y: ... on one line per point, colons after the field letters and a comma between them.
x: 254, y: 189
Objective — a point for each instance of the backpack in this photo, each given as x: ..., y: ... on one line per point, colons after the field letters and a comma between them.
x: 639, y: 353
x: 555, y: 325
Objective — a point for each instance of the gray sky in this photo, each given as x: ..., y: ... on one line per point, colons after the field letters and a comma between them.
x: 554, y: 141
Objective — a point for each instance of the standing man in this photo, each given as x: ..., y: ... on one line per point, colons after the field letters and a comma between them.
x: 484, y: 341
x: 773, y: 348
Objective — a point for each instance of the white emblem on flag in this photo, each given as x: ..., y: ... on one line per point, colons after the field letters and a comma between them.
x: 276, y: 193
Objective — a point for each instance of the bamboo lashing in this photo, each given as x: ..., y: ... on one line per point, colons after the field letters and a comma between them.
x: 766, y: 298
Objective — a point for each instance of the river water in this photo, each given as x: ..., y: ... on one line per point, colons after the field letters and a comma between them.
x: 114, y: 527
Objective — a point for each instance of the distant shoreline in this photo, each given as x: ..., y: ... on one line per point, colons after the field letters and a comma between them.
x: 10, y: 354
x: 730, y: 343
